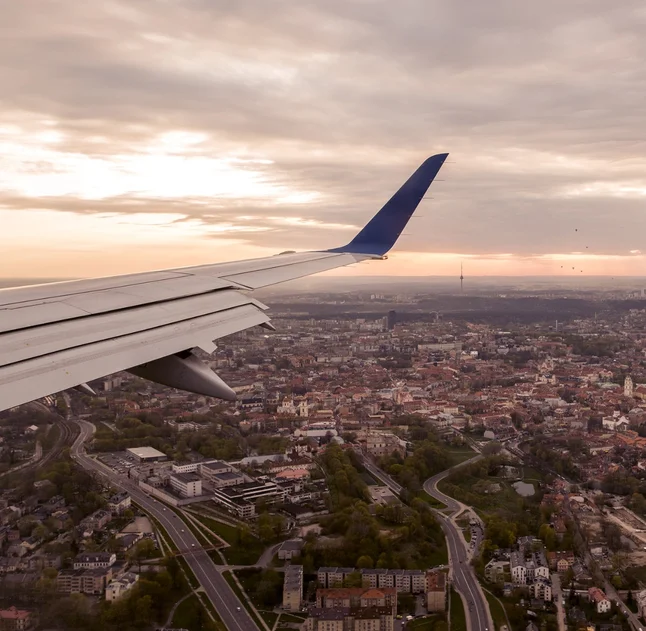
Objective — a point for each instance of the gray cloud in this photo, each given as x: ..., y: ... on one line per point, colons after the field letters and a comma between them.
x: 534, y: 101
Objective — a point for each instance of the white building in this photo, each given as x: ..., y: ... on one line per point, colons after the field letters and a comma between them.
x: 185, y: 467
x: 94, y: 560
x: 116, y: 589
x: 518, y: 569
x: 542, y: 588
x: 628, y: 386
x: 186, y: 484
x: 596, y: 596
x: 119, y: 503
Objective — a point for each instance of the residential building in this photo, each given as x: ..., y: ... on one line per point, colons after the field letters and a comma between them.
x: 518, y: 569
x: 98, y: 520
x: 119, y: 503
x: 349, y: 619
x: 290, y: 549
x: 560, y: 560
x: 541, y: 588
x: 91, y: 581
x: 13, y: 619
x: 596, y: 596
x: 495, y: 571
x: 186, y: 484
x: 333, y: 576
x: 293, y: 587
x: 117, y: 588
x: 435, y: 591
x: 93, y: 560
x: 409, y: 581
x: 357, y: 597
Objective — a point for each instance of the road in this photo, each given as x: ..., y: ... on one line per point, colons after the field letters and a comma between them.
x: 557, y: 597
x: 225, y: 601
x: 464, y: 577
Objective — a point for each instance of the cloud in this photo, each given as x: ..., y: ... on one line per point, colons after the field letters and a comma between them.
x: 289, y: 124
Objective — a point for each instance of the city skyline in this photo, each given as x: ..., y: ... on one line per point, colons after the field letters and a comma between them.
x: 133, y: 139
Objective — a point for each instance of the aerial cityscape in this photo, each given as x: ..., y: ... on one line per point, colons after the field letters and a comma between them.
x: 379, y: 469
x: 325, y: 315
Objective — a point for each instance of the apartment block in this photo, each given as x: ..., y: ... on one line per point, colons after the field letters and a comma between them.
x: 293, y: 587
x: 83, y: 581
x: 354, y: 597
x: 435, y: 591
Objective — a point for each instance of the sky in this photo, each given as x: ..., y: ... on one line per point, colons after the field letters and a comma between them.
x: 145, y: 134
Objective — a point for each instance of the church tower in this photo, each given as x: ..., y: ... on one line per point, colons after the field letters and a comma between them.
x: 628, y: 386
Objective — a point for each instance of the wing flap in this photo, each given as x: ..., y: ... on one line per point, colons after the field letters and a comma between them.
x: 47, y: 374
x: 34, y: 342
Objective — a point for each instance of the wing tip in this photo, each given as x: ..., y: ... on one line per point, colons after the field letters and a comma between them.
x: 380, y: 234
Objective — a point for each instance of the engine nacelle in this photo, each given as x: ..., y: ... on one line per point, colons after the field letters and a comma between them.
x: 185, y: 371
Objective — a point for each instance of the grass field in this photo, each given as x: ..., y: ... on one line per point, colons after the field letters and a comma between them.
x: 458, y: 617
x: 429, y: 623
x: 241, y: 597
x: 460, y: 454
x: 497, y: 611
x: 237, y: 553
x: 470, y: 491
x: 431, y: 501
x: 269, y: 617
x: 292, y: 617
x: 190, y: 615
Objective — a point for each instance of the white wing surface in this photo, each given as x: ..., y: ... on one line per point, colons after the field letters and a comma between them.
x: 59, y: 335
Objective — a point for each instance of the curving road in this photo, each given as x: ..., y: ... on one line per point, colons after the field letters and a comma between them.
x: 464, y: 576
x: 225, y: 601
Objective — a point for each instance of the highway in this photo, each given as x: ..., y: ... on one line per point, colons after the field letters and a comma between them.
x: 229, y: 608
x: 464, y: 577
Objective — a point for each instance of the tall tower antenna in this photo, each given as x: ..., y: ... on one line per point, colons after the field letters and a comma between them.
x: 461, y: 278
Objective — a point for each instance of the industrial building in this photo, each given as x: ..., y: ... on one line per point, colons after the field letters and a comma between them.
x: 146, y: 454
x: 186, y: 484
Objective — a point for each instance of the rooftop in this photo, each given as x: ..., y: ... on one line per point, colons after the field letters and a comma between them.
x: 146, y: 452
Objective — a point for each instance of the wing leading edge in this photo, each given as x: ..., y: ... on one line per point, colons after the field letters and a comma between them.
x: 60, y: 335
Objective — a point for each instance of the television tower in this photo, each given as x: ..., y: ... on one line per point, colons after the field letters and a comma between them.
x: 461, y: 278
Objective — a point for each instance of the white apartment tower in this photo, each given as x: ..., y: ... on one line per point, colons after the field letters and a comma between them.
x: 628, y: 386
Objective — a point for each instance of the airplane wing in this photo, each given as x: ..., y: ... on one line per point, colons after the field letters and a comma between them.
x: 60, y: 335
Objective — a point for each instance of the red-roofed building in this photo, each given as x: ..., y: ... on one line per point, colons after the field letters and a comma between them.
x: 597, y: 597
x: 13, y: 619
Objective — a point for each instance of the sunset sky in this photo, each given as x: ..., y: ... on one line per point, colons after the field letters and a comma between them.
x: 143, y: 134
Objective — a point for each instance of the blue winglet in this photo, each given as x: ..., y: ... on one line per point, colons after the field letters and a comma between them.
x: 383, y: 230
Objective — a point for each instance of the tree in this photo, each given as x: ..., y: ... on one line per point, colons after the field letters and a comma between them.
x: 143, y: 609
x: 364, y: 562
x: 492, y: 448
x: 568, y: 578
x: 145, y: 549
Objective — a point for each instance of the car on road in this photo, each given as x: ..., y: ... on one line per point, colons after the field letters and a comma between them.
x: 238, y: 609
x: 182, y: 530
